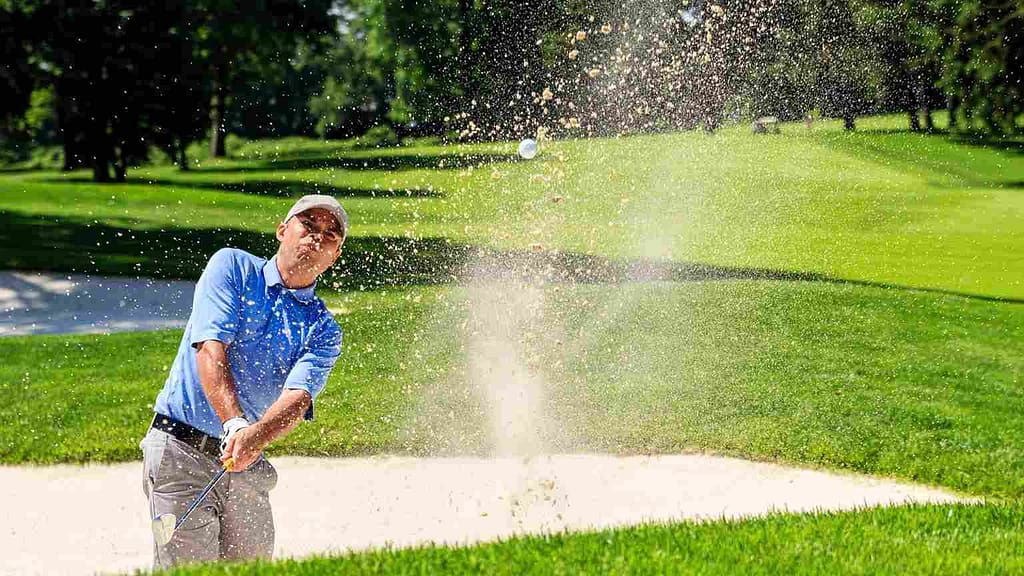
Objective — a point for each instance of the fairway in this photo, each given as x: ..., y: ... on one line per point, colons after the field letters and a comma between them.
x: 504, y: 287
x: 888, y: 208
x: 834, y: 301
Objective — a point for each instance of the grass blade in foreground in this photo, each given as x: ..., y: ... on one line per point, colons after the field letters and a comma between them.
x: 907, y: 540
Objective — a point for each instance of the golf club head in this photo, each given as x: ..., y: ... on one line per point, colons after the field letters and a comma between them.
x: 163, y: 528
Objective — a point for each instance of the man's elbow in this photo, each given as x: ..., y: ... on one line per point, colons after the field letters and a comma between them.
x: 299, y: 399
x: 211, y: 351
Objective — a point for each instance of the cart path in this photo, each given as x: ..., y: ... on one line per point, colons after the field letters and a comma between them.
x: 56, y: 303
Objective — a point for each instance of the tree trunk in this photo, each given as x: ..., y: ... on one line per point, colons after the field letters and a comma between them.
x: 849, y: 121
x: 120, y: 164
x: 466, y: 58
x: 68, y: 135
x: 68, y: 144
x: 929, y: 123
x: 100, y: 145
x: 100, y: 164
x: 182, y: 159
x: 915, y: 120
x: 217, y: 131
x: 712, y: 120
x: 954, y: 109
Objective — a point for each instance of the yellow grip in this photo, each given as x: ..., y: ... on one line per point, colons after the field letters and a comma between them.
x: 229, y: 464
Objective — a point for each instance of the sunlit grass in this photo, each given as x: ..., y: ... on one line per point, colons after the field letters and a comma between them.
x: 878, y: 205
x: 899, y: 383
x: 888, y: 374
x: 908, y: 540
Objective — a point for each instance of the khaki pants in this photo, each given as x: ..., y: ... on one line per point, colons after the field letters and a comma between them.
x: 234, y: 522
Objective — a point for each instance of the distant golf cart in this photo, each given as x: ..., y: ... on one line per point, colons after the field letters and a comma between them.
x: 765, y: 125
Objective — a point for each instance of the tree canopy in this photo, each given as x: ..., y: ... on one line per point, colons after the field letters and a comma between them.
x: 111, y: 80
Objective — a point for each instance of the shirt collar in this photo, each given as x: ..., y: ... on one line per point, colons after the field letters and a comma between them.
x: 273, y: 277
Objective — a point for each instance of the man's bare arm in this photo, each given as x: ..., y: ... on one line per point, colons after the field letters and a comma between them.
x: 215, y: 376
x: 282, y: 417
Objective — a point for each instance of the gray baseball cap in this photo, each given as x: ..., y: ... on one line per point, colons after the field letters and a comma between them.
x: 328, y: 203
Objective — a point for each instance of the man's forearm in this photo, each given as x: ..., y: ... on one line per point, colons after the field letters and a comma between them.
x: 283, y: 415
x: 218, y: 383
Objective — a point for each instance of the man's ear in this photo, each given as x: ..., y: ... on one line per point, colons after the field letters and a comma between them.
x: 280, y: 231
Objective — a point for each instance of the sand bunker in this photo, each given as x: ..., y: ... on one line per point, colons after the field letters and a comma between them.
x: 51, y: 303
x: 82, y: 520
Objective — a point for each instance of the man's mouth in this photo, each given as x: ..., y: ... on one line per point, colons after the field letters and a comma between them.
x: 307, y: 250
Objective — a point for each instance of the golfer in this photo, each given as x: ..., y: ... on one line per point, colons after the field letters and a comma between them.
x: 257, y: 350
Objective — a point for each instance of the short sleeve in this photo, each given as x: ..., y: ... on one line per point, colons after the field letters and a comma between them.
x: 313, y: 367
x: 216, y: 301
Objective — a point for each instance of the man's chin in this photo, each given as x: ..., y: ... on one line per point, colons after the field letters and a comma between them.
x: 308, y: 263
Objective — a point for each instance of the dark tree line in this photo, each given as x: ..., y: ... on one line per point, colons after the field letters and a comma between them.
x: 110, y: 79
x: 127, y: 75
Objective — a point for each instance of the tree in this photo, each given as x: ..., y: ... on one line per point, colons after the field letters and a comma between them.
x: 17, y: 76
x: 902, y: 34
x: 845, y: 64
x: 983, y: 62
x: 250, y: 42
x: 357, y: 73
x: 101, y: 59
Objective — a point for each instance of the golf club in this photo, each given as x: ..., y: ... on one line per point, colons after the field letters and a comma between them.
x: 164, y: 525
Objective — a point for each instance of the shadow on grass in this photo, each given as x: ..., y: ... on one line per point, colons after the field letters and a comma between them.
x: 1011, y: 144
x: 30, y: 242
x: 275, y: 188
x: 894, y: 131
x: 19, y: 170
x: 938, y: 155
x: 396, y: 162
x: 84, y: 247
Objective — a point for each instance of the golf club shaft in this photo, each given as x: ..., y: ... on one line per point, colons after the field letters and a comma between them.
x: 199, y: 499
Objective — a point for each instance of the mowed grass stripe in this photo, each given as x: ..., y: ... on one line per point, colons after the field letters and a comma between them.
x: 905, y: 540
x: 908, y: 384
x: 888, y: 207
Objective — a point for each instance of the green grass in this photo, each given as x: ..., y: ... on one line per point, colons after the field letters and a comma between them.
x: 901, y: 383
x: 907, y: 540
x: 921, y: 210
x: 872, y: 324
x: 89, y: 398
x: 868, y: 375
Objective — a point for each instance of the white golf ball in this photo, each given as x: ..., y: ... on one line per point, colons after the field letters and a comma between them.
x: 528, y: 148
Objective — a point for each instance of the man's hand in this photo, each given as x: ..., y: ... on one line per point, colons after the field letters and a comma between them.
x: 232, y: 426
x: 244, y: 447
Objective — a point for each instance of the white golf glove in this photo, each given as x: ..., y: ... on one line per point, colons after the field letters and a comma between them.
x: 231, y: 427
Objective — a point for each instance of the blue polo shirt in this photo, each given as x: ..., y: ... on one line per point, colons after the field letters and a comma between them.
x: 276, y: 338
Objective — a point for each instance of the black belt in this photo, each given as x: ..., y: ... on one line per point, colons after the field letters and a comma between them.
x: 194, y: 437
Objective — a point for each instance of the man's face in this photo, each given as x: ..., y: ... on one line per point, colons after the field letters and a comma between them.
x: 310, y: 241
